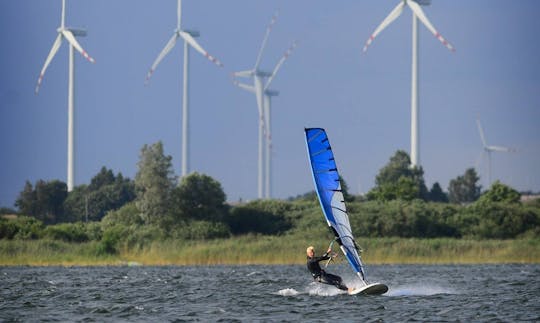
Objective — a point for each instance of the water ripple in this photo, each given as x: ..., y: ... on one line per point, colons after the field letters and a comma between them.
x: 267, y: 293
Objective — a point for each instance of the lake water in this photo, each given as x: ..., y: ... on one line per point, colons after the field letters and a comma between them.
x: 268, y: 293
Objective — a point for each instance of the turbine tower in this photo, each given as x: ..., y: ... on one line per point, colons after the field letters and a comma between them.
x: 417, y: 14
x: 263, y: 97
x: 68, y: 34
x: 189, y: 41
x: 488, y: 149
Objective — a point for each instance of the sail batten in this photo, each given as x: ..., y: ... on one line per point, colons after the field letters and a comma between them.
x: 329, y: 191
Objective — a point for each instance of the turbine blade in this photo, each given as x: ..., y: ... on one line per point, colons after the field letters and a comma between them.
x: 500, y: 149
x: 247, y: 87
x: 481, y: 131
x: 396, y: 12
x: 170, y: 44
x: 247, y: 73
x: 419, y: 13
x: 263, y: 45
x: 63, y: 14
x: 193, y: 43
x: 278, y: 65
x: 178, y: 14
x: 52, y: 52
x: 71, y: 39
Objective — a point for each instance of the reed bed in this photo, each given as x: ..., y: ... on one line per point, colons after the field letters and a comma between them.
x: 258, y: 249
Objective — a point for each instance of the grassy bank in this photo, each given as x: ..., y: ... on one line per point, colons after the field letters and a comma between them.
x: 252, y: 249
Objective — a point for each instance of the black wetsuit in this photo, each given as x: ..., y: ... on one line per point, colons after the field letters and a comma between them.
x: 322, y: 276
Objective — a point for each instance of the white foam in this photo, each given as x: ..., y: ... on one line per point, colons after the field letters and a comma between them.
x: 418, y: 290
x: 316, y: 289
x: 288, y: 292
x: 254, y: 273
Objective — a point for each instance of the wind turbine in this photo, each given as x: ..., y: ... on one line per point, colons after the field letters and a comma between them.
x: 189, y: 41
x: 68, y: 34
x: 263, y: 97
x: 268, y: 94
x: 488, y: 149
x: 417, y: 13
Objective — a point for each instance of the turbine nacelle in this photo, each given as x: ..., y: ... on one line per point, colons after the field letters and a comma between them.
x: 271, y: 92
x: 192, y: 32
x: 77, y: 32
x: 263, y: 73
x: 423, y: 2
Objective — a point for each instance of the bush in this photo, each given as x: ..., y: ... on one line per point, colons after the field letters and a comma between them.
x: 68, y: 232
x: 266, y: 217
x: 498, y: 220
x: 21, y: 227
x: 128, y: 215
x: 200, y: 230
x: 93, y: 231
x: 111, y: 238
x: 402, y: 219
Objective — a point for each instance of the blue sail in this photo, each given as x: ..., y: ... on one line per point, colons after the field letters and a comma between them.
x: 328, y: 187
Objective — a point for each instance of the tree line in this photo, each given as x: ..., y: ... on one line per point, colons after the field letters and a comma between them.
x: 114, y: 210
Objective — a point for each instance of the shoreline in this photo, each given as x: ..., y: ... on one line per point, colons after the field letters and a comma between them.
x: 166, y: 264
x: 269, y: 250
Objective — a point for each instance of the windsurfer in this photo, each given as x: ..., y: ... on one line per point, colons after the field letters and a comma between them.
x: 318, y: 273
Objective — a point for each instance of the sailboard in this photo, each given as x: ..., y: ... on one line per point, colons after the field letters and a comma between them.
x: 328, y: 188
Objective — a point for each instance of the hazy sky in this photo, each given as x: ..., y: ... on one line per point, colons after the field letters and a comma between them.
x: 363, y: 100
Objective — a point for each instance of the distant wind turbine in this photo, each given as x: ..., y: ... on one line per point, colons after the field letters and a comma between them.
x: 189, y: 40
x: 417, y: 13
x: 268, y: 94
x: 488, y: 149
x: 68, y: 34
x: 263, y: 96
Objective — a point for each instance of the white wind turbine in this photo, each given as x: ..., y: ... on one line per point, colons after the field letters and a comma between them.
x: 263, y: 96
x: 68, y: 34
x: 488, y: 149
x: 267, y: 104
x: 189, y: 40
x: 417, y: 13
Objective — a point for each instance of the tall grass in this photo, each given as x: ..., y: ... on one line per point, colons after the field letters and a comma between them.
x: 50, y: 252
x: 258, y: 249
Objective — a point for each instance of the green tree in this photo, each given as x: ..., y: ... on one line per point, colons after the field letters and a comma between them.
x: 7, y: 211
x: 499, y: 192
x: 106, y: 192
x: 154, y: 183
x: 345, y: 190
x: 398, y: 180
x: 308, y: 196
x: 103, y: 178
x: 464, y: 189
x: 77, y: 204
x: 436, y: 194
x: 199, y: 197
x: 261, y: 216
x: 27, y: 200
x: 43, y: 202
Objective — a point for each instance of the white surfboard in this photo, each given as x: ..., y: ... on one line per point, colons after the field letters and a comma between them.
x: 370, y: 289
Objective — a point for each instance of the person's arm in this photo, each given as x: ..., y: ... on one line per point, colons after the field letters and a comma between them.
x: 327, y: 254
x: 321, y: 258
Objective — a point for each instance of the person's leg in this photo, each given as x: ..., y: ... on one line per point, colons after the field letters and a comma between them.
x: 333, y: 280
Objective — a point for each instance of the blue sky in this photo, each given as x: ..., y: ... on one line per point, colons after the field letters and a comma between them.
x: 363, y: 100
